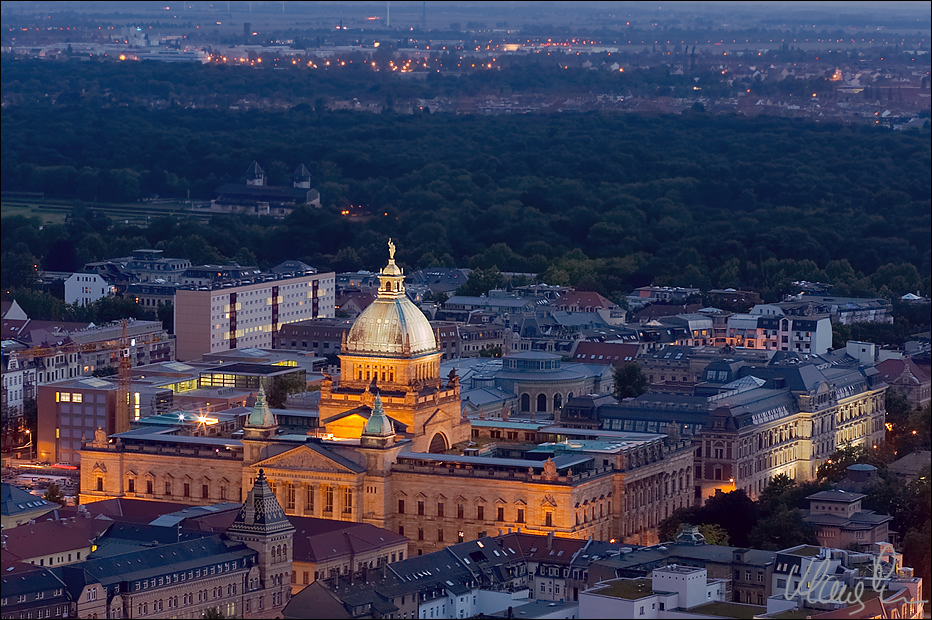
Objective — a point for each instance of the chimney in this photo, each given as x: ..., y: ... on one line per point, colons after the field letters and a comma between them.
x: 549, y: 540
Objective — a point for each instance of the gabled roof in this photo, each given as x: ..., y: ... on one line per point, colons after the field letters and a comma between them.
x: 254, y: 171
x: 302, y: 173
x: 15, y: 501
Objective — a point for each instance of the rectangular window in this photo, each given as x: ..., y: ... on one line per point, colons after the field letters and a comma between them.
x: 401, y: 506
x: 520, y: 515
x: 187, y: 489
x: 168, y: 487
x: 480, y: 513
x: 501, y: 514
x: 205, y: 491
x: 328, y: 499
x: 420, y: 508
x: 131, y: 485
x: 439, y: 535
x: 149, y: 487
x: 460, y: 510
x: 309, y: 500
x: 347, y: 500
x: 439, y: 509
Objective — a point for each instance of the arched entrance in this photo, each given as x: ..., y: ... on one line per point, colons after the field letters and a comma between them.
x: 438, y: 443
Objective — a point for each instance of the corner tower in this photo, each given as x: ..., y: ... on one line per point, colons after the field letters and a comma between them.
x: 391, y: 350
x: 262, y: 525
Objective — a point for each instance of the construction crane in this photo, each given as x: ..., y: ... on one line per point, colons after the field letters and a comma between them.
x: 118, y: 348
x: 121, y: 423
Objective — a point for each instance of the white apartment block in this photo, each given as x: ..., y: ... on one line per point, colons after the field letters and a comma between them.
x: 247, y: 313
x: 19, y: 385
x: 86, y: 288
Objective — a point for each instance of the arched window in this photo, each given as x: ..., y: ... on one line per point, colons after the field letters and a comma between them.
x: 541, y: 402
x: 557, y: 401
x: 525, y: 402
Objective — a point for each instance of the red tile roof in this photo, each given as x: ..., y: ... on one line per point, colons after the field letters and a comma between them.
x: 127, y: 510
x: 893, y: 369
x: 319, y: 540
x: 51, y: 537
x: 581, y: 300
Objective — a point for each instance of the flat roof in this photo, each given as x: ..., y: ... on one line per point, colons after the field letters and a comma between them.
x: 595, y: 432
x: 805, y: 551
x: 584, y: 445
x: 530, y: 426
x: 163, y: 435
x: 246, y: 368
x: 631, y: 589
x: 561, y: 462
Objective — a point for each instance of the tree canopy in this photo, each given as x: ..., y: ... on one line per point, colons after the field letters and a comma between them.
x: 598, y: 200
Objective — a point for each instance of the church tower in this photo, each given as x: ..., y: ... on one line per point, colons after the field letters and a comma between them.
x: 391, y: 350
x: 263, y: 526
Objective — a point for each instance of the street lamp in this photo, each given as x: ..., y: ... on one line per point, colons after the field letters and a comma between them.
x: 29, y: 432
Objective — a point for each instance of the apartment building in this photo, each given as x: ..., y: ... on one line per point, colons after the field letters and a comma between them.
x: 248, y: 313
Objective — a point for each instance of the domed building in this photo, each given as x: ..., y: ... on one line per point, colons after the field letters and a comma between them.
x: 390, y: 420
x: 391, y: 350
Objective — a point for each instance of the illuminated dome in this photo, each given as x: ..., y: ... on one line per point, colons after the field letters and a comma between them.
x: 392, y: 324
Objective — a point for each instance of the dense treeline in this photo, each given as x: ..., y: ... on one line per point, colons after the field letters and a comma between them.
x: 601, y: 201
x: 275, y: 82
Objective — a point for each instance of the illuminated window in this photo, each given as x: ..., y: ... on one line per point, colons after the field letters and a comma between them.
x: 77, y: 397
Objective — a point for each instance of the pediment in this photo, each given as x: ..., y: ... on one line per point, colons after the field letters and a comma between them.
x: 303, y: 458
x: 438, y: 417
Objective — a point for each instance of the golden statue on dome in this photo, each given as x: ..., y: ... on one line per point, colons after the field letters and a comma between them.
x: 391, y: 249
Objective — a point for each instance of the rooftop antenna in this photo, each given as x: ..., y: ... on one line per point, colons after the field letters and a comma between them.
x: 388, y: 14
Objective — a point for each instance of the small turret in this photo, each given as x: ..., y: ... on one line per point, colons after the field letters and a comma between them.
x: 379, y: 431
